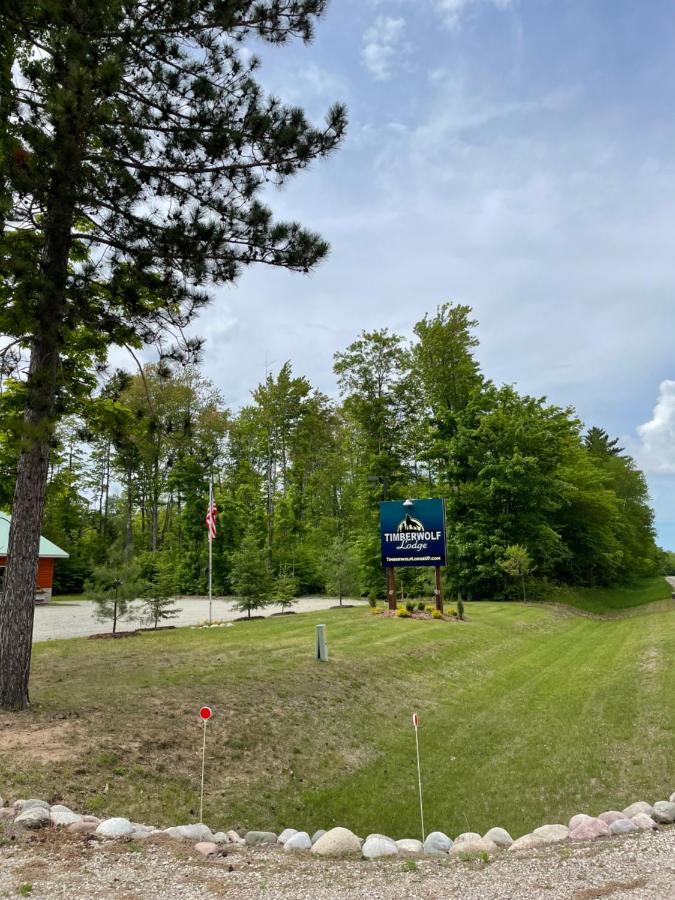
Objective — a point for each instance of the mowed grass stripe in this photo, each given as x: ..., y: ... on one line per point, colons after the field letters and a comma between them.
x: 527, y: 715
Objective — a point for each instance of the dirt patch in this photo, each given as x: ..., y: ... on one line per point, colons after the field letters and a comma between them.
x: 612, y: 887
x: 39, y: 743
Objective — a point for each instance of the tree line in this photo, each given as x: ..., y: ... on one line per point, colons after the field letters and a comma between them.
x: 298, y: 477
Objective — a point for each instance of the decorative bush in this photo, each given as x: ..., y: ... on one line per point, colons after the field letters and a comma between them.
x: 420, y: 606
x: 451, y: 611
x: 376, y: 611
x: 410, y: 606
x: 437, y: 614
x: 430, y: 609
x: 372, y: 601
x: 460, y: 608
x: 403, y: 613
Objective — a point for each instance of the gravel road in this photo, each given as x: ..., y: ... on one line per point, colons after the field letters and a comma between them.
x: 76, y: 618
x: 62, y: 867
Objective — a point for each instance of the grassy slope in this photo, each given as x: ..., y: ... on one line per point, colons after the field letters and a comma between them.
x: 612, y: 599
x: 527, y: 716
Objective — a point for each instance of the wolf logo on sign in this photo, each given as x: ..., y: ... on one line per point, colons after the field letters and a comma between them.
x: 409, y: 524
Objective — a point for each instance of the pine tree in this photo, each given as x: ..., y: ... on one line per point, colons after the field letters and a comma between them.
x: 135, y: 141
x: 251, y: 576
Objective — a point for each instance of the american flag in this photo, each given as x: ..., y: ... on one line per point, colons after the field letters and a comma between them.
x: 211, y: 514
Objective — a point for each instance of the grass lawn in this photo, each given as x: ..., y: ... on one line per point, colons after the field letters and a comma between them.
x: 610, y: 600
x: 527, y: 715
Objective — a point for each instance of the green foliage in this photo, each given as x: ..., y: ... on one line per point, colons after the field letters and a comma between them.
x: 285, y: 590
x: 403, y: 613
x: 410, y: 606
x: 421, y: 605
x: 252, y: 579
x: 460, y: 608
x: 450, y: 611
x: 160, y: 606
x: 341, y: 569
x: 436, y: 614
x: 516, y: 563
x: 114, y: 590
x: 668, y: 563
x: 372, y: 601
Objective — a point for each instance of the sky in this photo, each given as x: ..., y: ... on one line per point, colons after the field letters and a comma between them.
x: 514, y: 155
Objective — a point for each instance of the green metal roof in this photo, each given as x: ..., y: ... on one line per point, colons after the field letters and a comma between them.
x: 47, y: 549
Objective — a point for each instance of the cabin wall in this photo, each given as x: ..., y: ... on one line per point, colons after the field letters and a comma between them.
x: 44, y: 580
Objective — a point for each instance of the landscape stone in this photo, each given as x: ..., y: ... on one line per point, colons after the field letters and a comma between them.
x: 82, y: 827
x: 623, y: 826
x: 643, y: 821
x: 664, y: 812
x: 117, y: 827
x: 318, y: 834
x: 468, y: 836
x: 437, y: 844
x: 235, y: 838
x: 611, y: 816
x: 579, y: 819
x: 300, y: 841
x: 672, y: 798
x: 337, y: 842
x: 91, y: 819
x: 25, y: 805
x: 498, y: 836
x: 2, y: 802
x: 206, y: 848
x: 528, y: 842
x: 197, y: 832
x: 473, y: 847
x: 62, y: 815
x: 37, y: 817
x: 552, y: 834
x: 408, y: 845
x: 377, y: 846
x: 286, y: 834
x: 640, y: 807
x: 220, y: 838
x: 255, y: 838
x: 589, y: 831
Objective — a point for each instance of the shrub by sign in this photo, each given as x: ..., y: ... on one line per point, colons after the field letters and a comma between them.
x: 412, y: 533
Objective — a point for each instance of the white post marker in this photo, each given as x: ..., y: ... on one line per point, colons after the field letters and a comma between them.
x: 416, y: 722
x: 205, y: 713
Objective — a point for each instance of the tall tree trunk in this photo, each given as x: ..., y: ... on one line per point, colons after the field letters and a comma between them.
x: 17, y: 607
x: 18, y: 602
x: 129, y: 532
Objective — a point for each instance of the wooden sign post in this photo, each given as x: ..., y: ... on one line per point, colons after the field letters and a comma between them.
x: 438, y: 593
x: 391, y: 587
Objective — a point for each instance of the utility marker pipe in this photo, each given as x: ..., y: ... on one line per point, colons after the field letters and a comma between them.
x: 416, y: 722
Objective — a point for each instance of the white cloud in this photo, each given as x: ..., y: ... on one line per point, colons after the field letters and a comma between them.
x: 656, y: 452
x: 381, y: 43
x: 452, y: 11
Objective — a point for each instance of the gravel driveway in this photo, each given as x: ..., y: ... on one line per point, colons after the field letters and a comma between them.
x: 77, y: 619
x: 63, y: 867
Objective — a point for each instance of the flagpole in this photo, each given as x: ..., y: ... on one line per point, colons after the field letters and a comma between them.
x: 210, y: 557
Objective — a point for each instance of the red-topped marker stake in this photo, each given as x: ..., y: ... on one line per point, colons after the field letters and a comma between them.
x: 205, y: 714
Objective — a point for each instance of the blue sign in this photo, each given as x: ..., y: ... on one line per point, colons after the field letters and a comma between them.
x: 413, y: 532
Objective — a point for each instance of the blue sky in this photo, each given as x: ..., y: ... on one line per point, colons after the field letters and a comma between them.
x: 515, y: 155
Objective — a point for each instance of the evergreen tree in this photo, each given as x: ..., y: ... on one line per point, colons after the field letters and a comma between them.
x: 251, y: 576
x: 135, y: 142
x: 341, y: 570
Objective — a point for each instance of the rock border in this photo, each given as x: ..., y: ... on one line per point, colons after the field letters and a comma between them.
x: 338, y: 842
